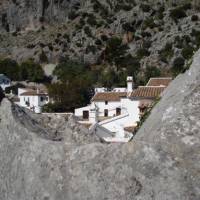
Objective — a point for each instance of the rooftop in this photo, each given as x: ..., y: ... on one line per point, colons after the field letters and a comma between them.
x: 33, y: 93
x: 109, y: 96
x: 163, y: 81
x: 147, y: 92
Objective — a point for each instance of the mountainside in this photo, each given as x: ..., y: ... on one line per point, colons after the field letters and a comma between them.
x: 156, y: 32
x: 162, y: 161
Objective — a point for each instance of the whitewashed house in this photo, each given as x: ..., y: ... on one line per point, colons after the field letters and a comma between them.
x: 4, y: 82
x: 119, y: 110
x: 32, y: 99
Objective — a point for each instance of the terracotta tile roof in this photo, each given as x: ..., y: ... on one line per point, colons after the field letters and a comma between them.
x: 33, y: 93
x: 130, y: 129
x: 109, y: 96
x: 159, y: 81
x: 147, y: 92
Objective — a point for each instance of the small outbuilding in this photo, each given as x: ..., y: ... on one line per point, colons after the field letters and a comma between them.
x: 32, y: 99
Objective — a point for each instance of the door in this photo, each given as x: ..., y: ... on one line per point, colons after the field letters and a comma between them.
x: 85, y: 114
x: 106, y: 113
x: 118, y: 111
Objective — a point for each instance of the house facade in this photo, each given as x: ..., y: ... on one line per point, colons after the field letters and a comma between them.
x: 32, y: 99
x: 119, y: 110
x: 4, y: 82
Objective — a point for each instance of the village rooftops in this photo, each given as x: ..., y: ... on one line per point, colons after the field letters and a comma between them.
x: 33, y: 93
x: 147, y: 92
x: 109, y: 96
x: 163, y: 81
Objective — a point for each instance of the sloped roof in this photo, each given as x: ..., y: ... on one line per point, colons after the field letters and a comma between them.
x: 159, y: 81
x: 147, y: 92
x: 33, y: 93
x: 109, y: 96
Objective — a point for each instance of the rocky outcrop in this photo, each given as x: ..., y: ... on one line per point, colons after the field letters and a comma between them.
x: 162, y: 161
x: 19, y: 15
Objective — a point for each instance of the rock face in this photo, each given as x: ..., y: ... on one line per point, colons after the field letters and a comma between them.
x: 74, y: 29
x: 162, y: 162
x: 22, y: 14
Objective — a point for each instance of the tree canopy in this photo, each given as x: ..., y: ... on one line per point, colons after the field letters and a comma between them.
x: 28, y: 70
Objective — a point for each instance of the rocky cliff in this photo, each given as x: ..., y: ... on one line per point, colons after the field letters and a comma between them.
x: 161, y: 30
x: 162, y: 161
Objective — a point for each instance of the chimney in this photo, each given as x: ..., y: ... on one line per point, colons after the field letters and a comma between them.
x: 129, y: 83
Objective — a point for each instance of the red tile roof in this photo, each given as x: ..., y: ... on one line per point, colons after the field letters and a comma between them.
x: 159, y: 81
x: 147, y: 92
x: 109, y: 96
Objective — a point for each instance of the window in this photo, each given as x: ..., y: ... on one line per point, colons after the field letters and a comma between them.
x: 118, y: 111
x: 85, y: 114
x: 106, y: 102
x: 106, y: 113
x: 41, y: 98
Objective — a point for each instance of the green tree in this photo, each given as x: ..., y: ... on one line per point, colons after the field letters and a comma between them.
x: 31, y: 71
x: 115, y: 51
x: 67, y: 70
x: 10, y: 68
x: 178, y: 66
x: 69, y: 95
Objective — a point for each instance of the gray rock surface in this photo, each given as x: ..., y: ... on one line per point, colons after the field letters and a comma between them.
x: 162, y: 162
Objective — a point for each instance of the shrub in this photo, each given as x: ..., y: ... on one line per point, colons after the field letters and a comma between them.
x: 88, y: 31
x: 151, y: 71
x: 141, y: 53
x: 128, y: 27
x: 92, y: 20
x: 10, y: 68
x: 187, y: 52
x: 72, y: 15
x: 186, y: 6
x: 194, y: 18
x: 98, y: 42
x: 91, y: 48
x: 31, y: 71
x: 104, y: 38
x: 177, y: 13
x: 149, y: 23
x: 43, y: 57
x: 145, y: 7
x: 115, y: 51
x: 178, y: 66
x: 167, y: 52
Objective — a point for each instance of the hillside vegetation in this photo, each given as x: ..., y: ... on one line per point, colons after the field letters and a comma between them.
x: 104, y: 40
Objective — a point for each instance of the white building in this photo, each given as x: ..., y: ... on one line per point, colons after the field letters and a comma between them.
x: 4, y: 82
x: 32, y: 99
x: 120, y: 110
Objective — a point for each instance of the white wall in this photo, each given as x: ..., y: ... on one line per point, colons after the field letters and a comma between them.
x: 34, y: 101
x: 102, y: 89
x: 79, y: 111
x: 129, y: 118
x: 119, y: 89
x: 111, y: 106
